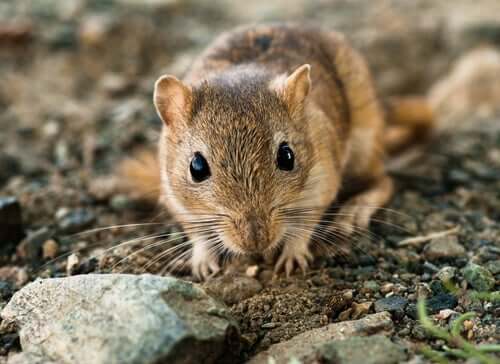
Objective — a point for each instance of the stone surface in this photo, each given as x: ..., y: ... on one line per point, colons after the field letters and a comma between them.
x: 376, y: 349
x: 304, y: 344
x: 11, y: 223
x: 391, y: 304
x: 120, y: 319
x: 478, y: 277
x: 446, y: 247
x: 233, y: 288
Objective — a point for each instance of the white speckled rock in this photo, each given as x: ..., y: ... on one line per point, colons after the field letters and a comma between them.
x: 117, y: 318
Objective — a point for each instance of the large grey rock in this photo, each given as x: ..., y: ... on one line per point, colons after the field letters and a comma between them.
x: 306, y: 344
x: 376, y: 349
x: 117, y: 318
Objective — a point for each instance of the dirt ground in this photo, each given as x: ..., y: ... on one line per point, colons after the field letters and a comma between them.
x: 75, y: 98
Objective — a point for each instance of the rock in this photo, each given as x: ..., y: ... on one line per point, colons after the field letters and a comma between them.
x: 9, y: 166
x: 16, y: 275
x: 74, y: 221
x: 6, y: 292
x: 252, y: 271
x: 445, y: 247
x: 72, y: 263
x: 371, y: 286
x: 50, y: 249
x: 447, y: 274
x: 493, y: 266
x: 377, y: 349
x: 478, y: 277
x: 338, y: 302
x: 441, y: 302
x: 11, y: 224
x: 119, y: 318
x: 233, y: 288
x: 31, y: 247
x: 360, y: 309
x: 393, y: 304
x: 303, y: 345
x: 434, y: 304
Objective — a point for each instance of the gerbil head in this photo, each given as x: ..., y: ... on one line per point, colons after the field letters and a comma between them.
x: 234, y: 151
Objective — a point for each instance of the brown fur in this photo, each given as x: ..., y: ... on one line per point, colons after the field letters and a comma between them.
x: 245, y: 95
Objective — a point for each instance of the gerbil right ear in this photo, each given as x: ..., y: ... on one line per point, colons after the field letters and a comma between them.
x: 172, y: 100
x: 294, y: 88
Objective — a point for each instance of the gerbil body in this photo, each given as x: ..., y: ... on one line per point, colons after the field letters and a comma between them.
x: 269, y: 128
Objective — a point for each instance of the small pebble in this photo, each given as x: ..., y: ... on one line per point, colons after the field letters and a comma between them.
x: 446, y: 247
x: 270, y: 325
x: 31, y: 247
x: 16, y: 275
x: 50, y: 249
x: 11, y: 223
x: 445, y: 314
x: 446, y: 274
x: 493, y: 266
x: 386, y: 288
x: 74, y: 221
x: 372, y: 286
x: 252, y: 271
x: 72, y: 263
x: 360, y: 309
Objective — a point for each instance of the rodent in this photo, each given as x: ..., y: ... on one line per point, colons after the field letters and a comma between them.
x: 271, y: 126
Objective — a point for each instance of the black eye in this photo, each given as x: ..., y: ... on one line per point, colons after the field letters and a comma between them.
x: 199, y: 168
x: 285, y: 157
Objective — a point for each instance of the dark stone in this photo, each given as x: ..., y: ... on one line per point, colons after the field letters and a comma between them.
x: 434, y: 304
x: 6, y: 290
x: 437, y: 287
x: 9, y: 166
x: 11, y: 224
x: 393, y: 304
x: 76, y: 220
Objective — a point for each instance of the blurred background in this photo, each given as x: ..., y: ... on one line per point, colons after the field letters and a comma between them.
x: 76, y: 76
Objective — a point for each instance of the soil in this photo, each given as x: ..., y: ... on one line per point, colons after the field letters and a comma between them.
x: 75, y: 98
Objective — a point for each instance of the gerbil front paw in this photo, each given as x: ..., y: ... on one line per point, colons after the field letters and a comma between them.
x: 204, y: 266
x: 293, y: 254
x: 351, y: 219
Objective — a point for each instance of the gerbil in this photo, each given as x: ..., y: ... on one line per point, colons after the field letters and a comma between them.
x: 271, y: 126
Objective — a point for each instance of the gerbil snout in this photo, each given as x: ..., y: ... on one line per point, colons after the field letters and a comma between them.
x: 252, y: 233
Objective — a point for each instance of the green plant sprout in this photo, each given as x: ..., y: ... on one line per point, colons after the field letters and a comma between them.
x: 456, y: 346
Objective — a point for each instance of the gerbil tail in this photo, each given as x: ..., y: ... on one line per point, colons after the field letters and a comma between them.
x: 410, y: 120
x: 140, y: 176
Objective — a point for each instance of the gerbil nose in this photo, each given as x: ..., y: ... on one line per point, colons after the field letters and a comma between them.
x: 257, y: 235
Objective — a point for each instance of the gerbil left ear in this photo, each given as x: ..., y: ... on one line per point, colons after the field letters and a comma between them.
x: 295, y: 88
x: 172, y: 100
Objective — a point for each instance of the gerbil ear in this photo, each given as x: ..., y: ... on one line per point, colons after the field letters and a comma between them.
x: 172, y: 99
x: 295, y: 88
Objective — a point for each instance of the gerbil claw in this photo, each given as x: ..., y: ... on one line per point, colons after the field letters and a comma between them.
x: 205, y: 269
x: 294, y: 255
